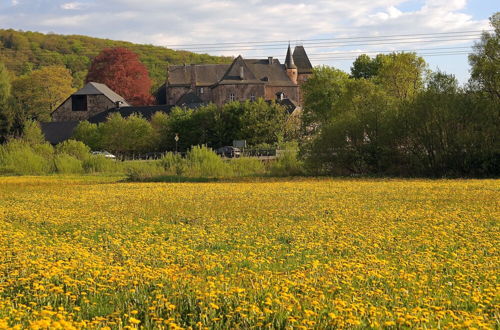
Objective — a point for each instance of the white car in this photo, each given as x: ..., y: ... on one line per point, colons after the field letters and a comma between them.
x: 104, y: 154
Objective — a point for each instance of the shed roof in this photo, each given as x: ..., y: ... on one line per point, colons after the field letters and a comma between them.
x: 93, y: 88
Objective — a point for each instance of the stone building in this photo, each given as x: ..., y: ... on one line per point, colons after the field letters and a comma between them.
x: 244, y: 79
x: 87, y: 102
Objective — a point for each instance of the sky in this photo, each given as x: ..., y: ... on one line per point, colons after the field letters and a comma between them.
x: 441, y: 30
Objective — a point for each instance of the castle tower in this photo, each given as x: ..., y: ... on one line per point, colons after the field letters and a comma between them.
x: 291, y: 68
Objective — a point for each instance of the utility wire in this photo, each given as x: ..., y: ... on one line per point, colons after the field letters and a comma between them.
x: 345, y: 44
x: 326, y: 39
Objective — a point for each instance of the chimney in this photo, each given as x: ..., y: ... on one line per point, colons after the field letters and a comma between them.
x: 193, y: 77
x: 242, y: 73
x: 270, y: 59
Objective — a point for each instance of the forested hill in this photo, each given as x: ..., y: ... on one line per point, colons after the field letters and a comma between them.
x: 22, y: 52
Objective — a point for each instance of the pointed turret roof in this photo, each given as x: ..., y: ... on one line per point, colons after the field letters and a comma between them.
x: 289, y: 64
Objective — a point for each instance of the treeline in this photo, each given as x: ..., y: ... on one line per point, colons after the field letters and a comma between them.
x: 392, y: 116
x: 30, y: 154
x: 259, y: 122
x: 24, y: 52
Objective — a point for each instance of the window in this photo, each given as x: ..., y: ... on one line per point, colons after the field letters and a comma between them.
x: 232, y: 97
x: 201, y: 90
x: 79, y: 102
x: 252, y: 97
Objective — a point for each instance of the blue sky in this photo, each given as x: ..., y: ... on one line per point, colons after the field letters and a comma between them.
x: 172, y: 22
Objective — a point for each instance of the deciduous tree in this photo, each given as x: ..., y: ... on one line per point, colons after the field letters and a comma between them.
x: 6, y: 115
x: 38, y: 93
x: 485, y: 60
x: 121, y: 70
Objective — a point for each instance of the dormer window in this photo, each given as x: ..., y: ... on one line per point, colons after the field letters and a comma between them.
x: 79, y: 103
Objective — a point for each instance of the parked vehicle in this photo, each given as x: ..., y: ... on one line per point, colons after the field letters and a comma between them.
x: 229, y: 152
x: 104, y: 153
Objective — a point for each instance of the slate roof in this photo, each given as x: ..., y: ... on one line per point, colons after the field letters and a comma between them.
x: 275, y: 72
x: 206, y: 74
x: 289, y: 64
x: 255, y: 71
x: 146, y: 112
x: 93, y: 88
x: 57, y: 132
x: 288, y: 104
x: 302, y: 60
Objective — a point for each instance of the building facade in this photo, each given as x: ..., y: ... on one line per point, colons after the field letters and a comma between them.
x: 243, y: 79
x: 87, y: 102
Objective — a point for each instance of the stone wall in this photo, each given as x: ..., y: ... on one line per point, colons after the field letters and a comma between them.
x: 220, y: 94
x: 175, y: 93
x: 95, y: 105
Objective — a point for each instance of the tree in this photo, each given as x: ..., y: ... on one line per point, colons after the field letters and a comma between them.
x: 6, y: 115
x: 359, y: 139
x: 89, y: 134
x: 366, y: 67
x: 121, y: 70
x: 32, y: 133
x: 126, y: 135
x: 262, y: 122
x: 485, y: 60
x: 38, y: 93
x: 321, y: 94
x: 402, y: 75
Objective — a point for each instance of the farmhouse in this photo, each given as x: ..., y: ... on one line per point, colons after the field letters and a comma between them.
x: 91, y: 100
x: 244, y: 79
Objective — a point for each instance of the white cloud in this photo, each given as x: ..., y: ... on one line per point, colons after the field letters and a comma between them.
x: 72, y: 6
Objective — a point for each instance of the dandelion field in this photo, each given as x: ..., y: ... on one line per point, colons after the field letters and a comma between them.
x: 311, y: 253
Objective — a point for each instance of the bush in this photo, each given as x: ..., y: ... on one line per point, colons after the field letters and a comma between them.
x: 66, y: 164
x: 139, y: 171
x: 17, y: 157
x: 100, y: 164
x: 287, y: 164
x: 204, y: 162
x: 74, y: 148
x: 173, y: 164
x: 246, y: 166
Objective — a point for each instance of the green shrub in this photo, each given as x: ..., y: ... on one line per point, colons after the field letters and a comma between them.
x: 204, y: 162
x: 246, y: 166
x: 100, y: 164
x: 67, y: 164
x: 17, y: 157
x: 141, y: 170
x: 173, y: 163
x: 74, y: 148
x: 287, y: 164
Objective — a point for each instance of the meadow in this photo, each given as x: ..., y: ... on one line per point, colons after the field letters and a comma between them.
x: 94, y: 252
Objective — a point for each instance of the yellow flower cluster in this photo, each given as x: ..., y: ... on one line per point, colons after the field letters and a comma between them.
x: 317, y: 253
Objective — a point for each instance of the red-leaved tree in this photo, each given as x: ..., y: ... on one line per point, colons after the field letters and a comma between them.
x: 122, y: 71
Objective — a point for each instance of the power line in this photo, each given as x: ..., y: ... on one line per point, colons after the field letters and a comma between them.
x: 345, y: 44
x: 326, y: 39
x: 380, y: 51
x: 419, y: 54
